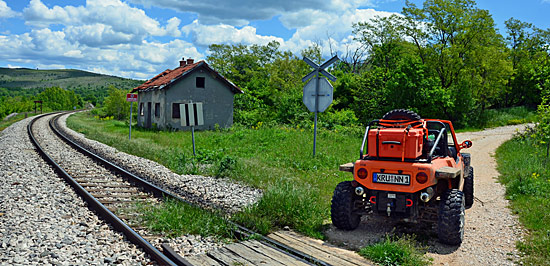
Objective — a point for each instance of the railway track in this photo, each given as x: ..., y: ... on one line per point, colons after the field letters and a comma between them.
x: 111, y: 191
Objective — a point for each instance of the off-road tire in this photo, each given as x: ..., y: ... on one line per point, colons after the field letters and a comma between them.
x: 469, y: 188
x: 401, y: 114
x: 450, y: 220
x: 342, y: 207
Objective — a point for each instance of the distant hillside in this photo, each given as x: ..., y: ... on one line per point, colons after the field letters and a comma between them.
x: 65, y: 78
x: 90, y: 86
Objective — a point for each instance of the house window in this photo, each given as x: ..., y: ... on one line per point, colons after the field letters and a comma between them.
x: 176, y: 110
x: 200, y: 82
x: 141, y: 109
x: 157, y: 109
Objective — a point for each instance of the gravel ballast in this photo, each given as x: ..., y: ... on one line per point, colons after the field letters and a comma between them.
x: 42, y: 219
x: 208, y: 192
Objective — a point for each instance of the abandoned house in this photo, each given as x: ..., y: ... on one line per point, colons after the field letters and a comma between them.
x: 159, y: 98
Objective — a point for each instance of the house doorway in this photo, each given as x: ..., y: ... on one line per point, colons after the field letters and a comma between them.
x: 148, y: 117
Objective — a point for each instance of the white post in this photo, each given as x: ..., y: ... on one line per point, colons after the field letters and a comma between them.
x: 193, y: 137
x: 130, y: 134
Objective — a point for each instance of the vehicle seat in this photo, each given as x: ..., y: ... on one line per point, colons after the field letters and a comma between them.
x: 442, y: 148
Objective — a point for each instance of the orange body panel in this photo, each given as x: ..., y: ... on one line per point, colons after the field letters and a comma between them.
x: 410, y: 140
x: 407, y: 168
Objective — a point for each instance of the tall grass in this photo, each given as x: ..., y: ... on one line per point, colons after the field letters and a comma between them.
x: 526, y: 174
x: 175, y: 218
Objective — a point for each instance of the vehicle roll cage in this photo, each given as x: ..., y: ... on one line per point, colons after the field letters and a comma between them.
x: 408, y: 125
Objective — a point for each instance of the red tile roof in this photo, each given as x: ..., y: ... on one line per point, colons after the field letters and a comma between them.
x: 168, y: 76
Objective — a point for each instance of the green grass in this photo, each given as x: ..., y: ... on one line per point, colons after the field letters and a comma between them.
x: 12, y: 120
x: 396, y: 251
x: 525, y: 171
x: 297, y: 187
x: 175, y: 218
x: 501, y: 117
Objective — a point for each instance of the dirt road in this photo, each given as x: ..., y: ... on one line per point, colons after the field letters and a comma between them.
x: 490, y: 229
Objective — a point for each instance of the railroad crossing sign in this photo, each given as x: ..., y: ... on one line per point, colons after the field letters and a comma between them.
x: 323, y: 97
x: 318, y: 91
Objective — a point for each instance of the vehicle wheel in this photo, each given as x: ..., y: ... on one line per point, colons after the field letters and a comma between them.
x: 401, y: 114
x: 450, y: 220
x: 341, y: 210
x: 469, y: 188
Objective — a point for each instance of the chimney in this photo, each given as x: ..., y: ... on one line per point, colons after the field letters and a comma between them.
x: 182, y: 62
x: 190, y: 61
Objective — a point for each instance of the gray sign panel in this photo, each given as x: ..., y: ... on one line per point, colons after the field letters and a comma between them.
x: 191, y: 114
x: 324, y: 97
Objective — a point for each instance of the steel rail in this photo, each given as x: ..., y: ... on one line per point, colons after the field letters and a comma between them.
x: 99, y: 208
x: 160, y: 192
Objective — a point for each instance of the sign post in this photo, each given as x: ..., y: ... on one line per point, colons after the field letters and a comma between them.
x: 191, y: 116
x: 318, y: 91
x: 130, y: 97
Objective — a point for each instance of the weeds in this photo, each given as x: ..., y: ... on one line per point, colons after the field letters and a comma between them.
x: 524, y: 172
x: 285, y: 203
x: 175, y: 218
x: 396, y: 251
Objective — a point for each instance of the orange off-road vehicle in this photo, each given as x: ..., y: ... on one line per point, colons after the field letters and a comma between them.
x: 413, y: 170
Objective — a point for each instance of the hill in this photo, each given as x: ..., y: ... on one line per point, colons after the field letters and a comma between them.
x: 90, y: 86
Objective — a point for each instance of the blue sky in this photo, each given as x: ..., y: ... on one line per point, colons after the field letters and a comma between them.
x: 141, y: 38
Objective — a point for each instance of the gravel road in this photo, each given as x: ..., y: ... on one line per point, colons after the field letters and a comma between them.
x: 491, y: 231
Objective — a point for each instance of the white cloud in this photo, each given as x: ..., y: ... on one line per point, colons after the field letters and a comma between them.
x: 112, y: 37
x: 312, y: 27
x: 205, y: 35
x: 96, y: 35
x: 5, y: 10
x: 44, y: 47
x: 99, y: 22
x: 241, y: 12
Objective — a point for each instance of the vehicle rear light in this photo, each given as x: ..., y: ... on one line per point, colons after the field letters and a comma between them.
x: 362, y: 173
x: 421, y: 177
x: 372, y: 199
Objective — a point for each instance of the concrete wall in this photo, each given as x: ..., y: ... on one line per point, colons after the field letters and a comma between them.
x: 148, y: 119
x: 216, y: 96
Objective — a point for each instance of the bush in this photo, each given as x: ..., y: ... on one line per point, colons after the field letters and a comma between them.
x: 116, y: 105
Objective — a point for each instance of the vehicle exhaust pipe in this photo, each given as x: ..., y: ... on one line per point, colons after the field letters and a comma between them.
x: 425, y: 196
x: 359, y: 191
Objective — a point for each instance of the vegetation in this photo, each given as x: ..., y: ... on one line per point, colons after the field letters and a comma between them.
x: 524, y: 164
x: 58, y: 89
x: 175, y: 218
x: 91, y: 87
x: 8, y: 122
x: 445, y: 59
x: 396, y: 251
x: 525, y: 172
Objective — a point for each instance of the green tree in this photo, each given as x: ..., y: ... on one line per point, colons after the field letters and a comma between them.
x: 526, y: 44
x: 454, y: 41
x: 55, y: 98
x: 115, y: 104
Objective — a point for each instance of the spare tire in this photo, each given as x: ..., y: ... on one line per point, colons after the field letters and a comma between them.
x: 401, y: 114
